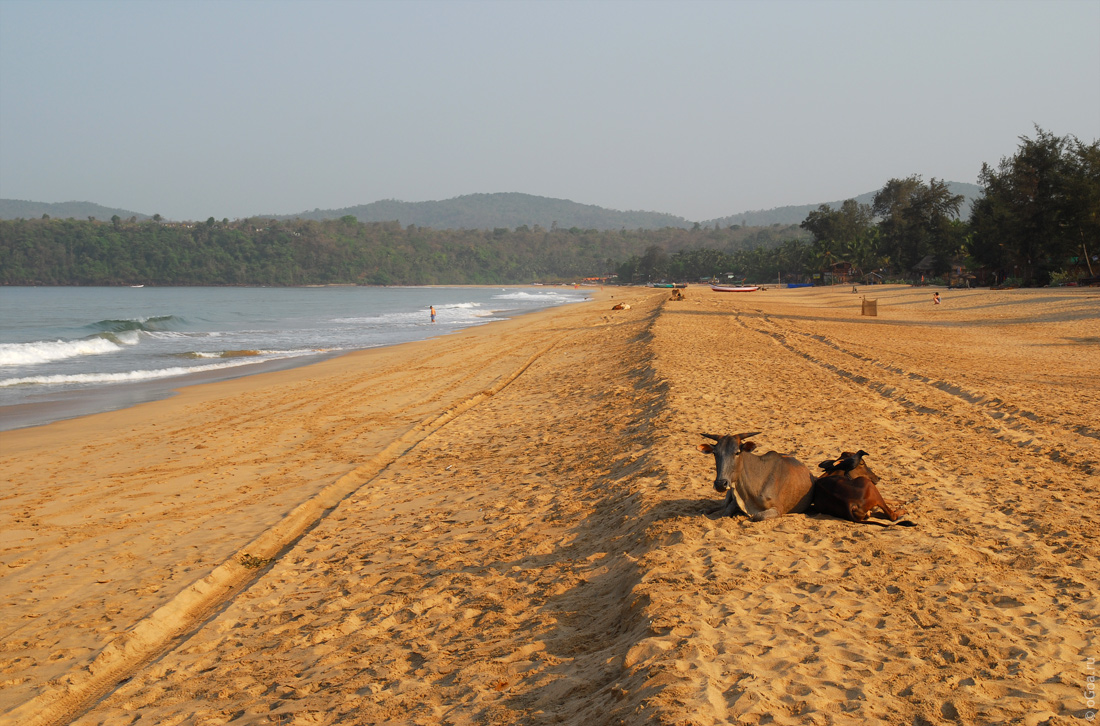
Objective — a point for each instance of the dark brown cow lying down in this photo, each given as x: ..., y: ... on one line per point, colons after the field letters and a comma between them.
x: 848, y: 491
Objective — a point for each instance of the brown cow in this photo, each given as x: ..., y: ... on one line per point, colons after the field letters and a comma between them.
x: 848, y: 491
x: 763, y: 486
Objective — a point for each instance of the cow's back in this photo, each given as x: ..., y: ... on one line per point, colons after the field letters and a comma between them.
x: 773, y: 480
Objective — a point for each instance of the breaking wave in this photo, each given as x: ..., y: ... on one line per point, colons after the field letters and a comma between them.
x: 28, y: 354
x: 148, y: 374
x: 154, y: 324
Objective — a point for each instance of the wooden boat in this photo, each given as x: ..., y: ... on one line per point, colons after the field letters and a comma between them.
x: 739, y: 288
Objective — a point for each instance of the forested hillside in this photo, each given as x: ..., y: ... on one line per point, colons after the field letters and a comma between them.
x: 795, y: 214
x: 18, y: 208
x: 301, y: 252
x: 1035, y: 220
x: 488, y: 211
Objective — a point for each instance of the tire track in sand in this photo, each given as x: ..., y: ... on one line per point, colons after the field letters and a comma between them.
x: 156, y: 633
x: 979, y: 615
x: 485, y: 578
x: 1004, y: 421
x: 105, y: 527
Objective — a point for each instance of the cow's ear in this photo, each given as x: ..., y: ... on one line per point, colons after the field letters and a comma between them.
x: 706, y: 448
x: 748, y: 446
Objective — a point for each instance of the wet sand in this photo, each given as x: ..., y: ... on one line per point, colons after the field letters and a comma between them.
x: 510, y: 525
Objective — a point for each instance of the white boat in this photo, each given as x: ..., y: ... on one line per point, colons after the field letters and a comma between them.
x: 739, y: 288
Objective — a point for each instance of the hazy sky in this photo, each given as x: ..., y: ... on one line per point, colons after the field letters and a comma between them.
x: 700, y: 109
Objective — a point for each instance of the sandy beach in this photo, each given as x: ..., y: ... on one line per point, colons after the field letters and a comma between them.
x: 511, y: 525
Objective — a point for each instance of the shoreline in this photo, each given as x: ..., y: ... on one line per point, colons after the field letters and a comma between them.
x: 51, y: 407
x: 513, y: 525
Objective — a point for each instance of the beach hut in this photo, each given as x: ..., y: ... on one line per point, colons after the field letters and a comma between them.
x: 873, y: 278
x: 839, y: 273
x: 923, y: 271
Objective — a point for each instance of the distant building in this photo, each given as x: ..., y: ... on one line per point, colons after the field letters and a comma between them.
x: 839, y: 273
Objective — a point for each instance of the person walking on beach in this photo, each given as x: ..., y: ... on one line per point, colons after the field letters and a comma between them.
x: 432, y: 308
x: 935, y: 298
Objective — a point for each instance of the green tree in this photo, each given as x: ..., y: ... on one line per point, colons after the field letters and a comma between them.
x: 842, y: 226
x: 917, y: 221
x: 1038, y: 207
x: 653, y: 266
x: 845, y: 234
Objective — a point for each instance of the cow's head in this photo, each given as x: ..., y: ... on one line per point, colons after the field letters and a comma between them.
x: 726, y: 450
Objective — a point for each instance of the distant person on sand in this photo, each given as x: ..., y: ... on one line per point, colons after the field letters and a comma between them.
x: 935, y: 298
x: 432, y: 308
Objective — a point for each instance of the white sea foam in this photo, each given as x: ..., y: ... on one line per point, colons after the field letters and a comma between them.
x: 169, y: 335
x: 146, y: 375
x: 265, y: 354
x: 455, y: 312
x: 549, y: 297
x: 28, y: 354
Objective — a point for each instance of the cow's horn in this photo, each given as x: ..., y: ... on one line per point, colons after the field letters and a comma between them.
x: 710, y: 436
x: 742, y: 437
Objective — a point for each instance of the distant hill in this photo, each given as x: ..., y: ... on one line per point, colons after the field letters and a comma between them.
x: 19, y: 209
x: 489, y: 211
x: 796, y: 214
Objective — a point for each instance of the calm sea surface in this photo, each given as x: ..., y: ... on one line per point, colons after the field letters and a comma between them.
x: 68, y: 351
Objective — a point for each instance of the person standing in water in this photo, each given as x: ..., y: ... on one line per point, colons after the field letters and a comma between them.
x: 432, y: 308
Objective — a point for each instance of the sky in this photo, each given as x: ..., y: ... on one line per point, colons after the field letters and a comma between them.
x: 235, y: 108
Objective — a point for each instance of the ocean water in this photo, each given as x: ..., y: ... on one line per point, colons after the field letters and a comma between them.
x: 69, y: 351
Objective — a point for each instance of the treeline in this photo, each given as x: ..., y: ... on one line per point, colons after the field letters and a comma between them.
x: 1036, y: 220
x: 303, y: 252
x: 790, y: 260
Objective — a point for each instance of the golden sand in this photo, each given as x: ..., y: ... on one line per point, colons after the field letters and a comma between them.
x: 509, y: 525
